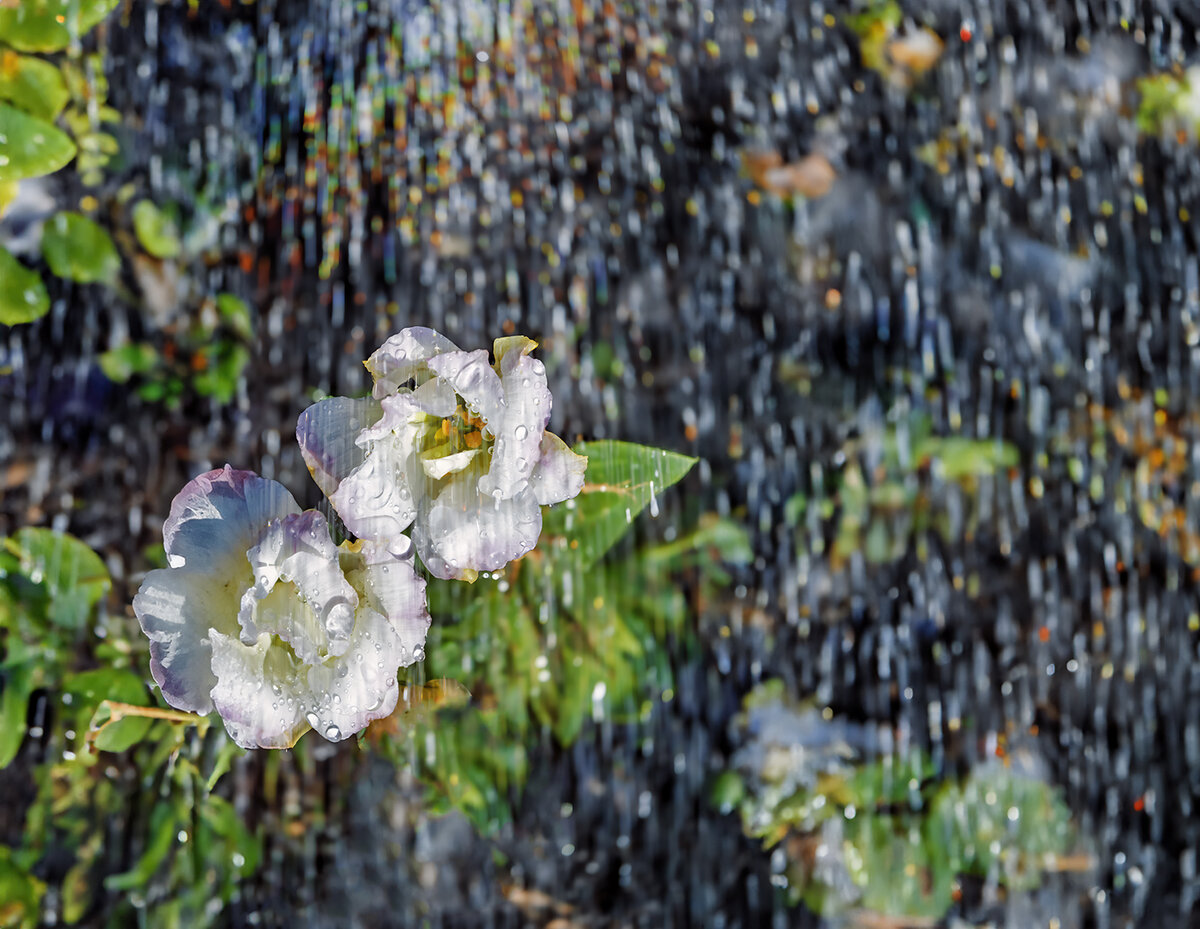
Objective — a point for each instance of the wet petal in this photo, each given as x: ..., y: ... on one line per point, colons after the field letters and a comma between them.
x: 438, y: 468
x: 326, y: 432
x: 464, y: 531
x: 375, y: 501
x: 299, y: 592
x: 348, y: 693
x: 473, y: 379
x: 559, y: 472
x: 217, y: 516
x: 391, y: 586
x: 175, y: 607
x: 436, y: 397
x: 403, y: 355
x: 522, y: 420
x: 260, y: 691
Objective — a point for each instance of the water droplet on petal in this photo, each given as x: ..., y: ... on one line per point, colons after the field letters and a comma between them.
x: 333, y: 733
x: 520, y: 432
x: 312, y: 719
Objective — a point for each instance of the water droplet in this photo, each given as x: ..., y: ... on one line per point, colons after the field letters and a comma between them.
x: 333, y: 733
x: 419, y: 653
x: 520, y: 432
x: 312, y: 719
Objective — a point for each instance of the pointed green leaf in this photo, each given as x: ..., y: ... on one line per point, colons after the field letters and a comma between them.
x: 14, y: 707
x: 31, y: 147
x: 80, y: 250
x: 23, y: 296
x: 622, y: 479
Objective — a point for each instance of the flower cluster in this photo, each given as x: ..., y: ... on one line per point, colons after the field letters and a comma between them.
x: 260, y: 616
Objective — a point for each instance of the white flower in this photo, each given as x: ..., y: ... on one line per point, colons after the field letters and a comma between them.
x: 260, y: 616
x: 450, y: 443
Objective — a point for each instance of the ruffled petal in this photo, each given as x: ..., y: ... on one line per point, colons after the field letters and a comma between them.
x: 261, y: 691
x: 403, y: 355
x: 473, y: 379
x: 218, y: 516
x: 559, y: 472
x: 464, y: 532
x: 326, y: 432
x: 375, y: 502
x: 522, y: 419
x: 175, y: 607
x: 389, y: 584
x: 300, y: 593
x: 361, y: 685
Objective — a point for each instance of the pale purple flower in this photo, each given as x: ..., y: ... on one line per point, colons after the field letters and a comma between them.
x: 451, y: 443
x: 261, y: 617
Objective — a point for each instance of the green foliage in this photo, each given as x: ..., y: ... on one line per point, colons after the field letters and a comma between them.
x: 879, y: 513
x: 79, y: 249
x: 33, y: 147
x: 122, y: 363
x: 561, y: 639
x: 1163, y: 106
x: 23, y: 296
x: 210, y: 355
x: 51, y: 586
x: 155, y: 230
x: 20, y: 894
x: 50, y: 25
x: 622, y: 480
x: 32, y: 84
x: 896, y: 833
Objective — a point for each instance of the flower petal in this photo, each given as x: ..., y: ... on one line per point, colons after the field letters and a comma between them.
x: 464, y: 531
x: 261, y: 691
x: 361, y: 685
x: 402, y: 356
x: 473, y: 379
x: 175, y: 607
x: 218, y: 516
x: 522, y: 420
x: 375, y: 502
x: 300, y: 593
x: 438, y: 468
x: 436, y: 397
x: 389, y: 584
x: 559, y: 472
x: 326, y: 432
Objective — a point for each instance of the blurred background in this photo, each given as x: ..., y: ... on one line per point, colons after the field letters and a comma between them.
x: 913, y: 643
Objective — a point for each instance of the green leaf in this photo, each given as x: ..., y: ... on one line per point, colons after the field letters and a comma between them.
x: 155, y: 230
x: 902, y: 870
x: 80, y: 250
x: 14, y: 708
x: 121, y: 363
x: 32, y: 84
x: 23, y: 296
x: 74, y: 576
x: 32, y: 147
x: 50, y: 25
x: 224, y: 364
x: 727, y: 791
x: 622, y: 479
x: 20, y: 894
x: 236, y: 313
